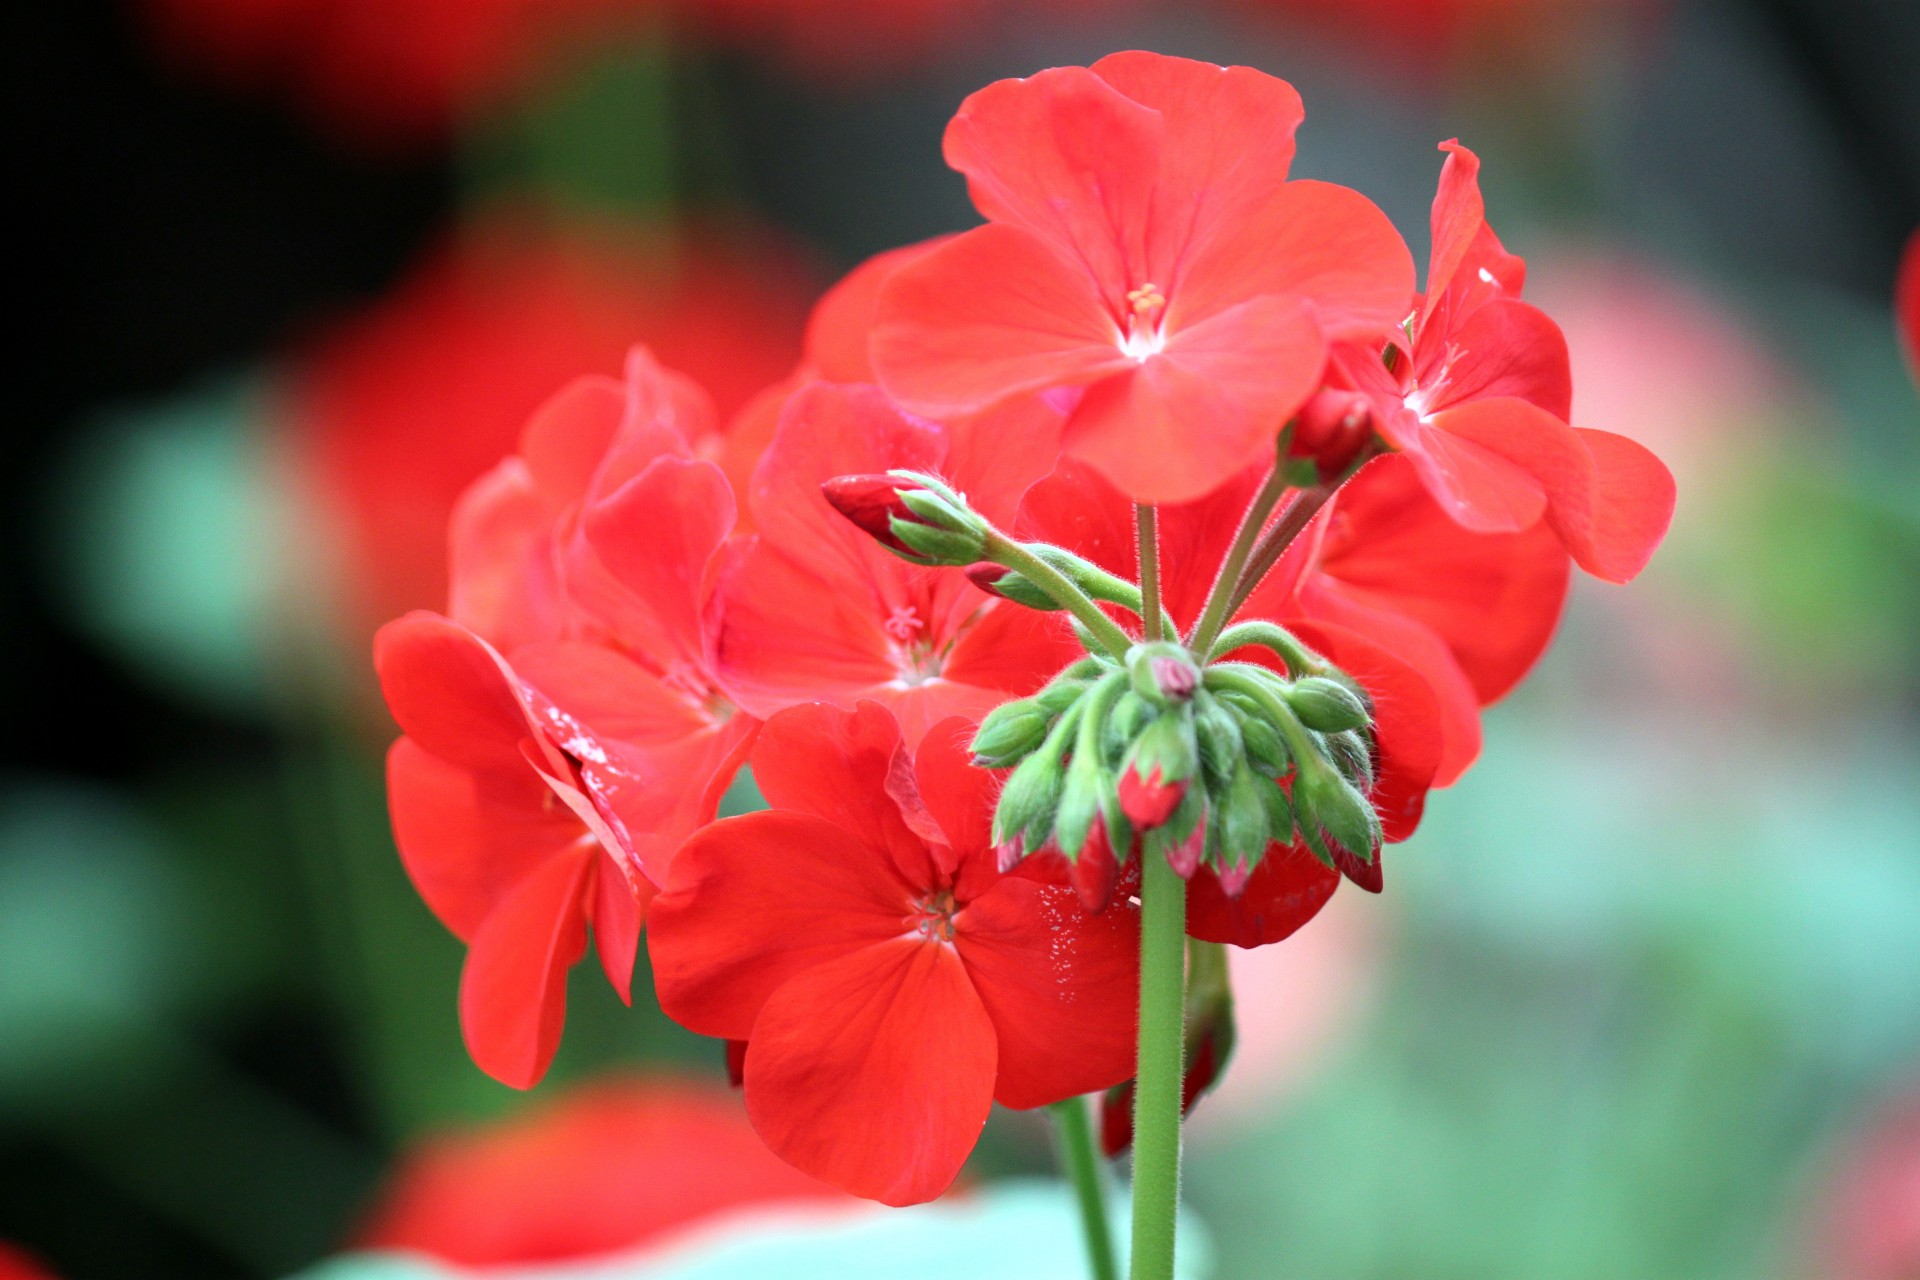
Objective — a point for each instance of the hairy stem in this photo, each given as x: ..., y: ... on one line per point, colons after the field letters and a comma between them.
x: 1003, y: 550
x: 1147, y: 521
x: 1220, y: 598
x: 1157, y: 1081
x: 1080, y: 1160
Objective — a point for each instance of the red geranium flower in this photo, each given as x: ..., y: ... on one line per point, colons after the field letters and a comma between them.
x: 610, y: 1167
x: 890, y: 983
x: 1479, y: 398
x: 815, y: 609
x: 1144, y: 244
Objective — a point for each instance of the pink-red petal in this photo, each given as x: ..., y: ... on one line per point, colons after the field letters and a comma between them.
x: 874, y: 1072
x: 513, y: 990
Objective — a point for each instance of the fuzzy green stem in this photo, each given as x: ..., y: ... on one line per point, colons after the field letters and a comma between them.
x: 1080, y: 1159
x: 1226, y: 585
x: 1147, y: 520
x: 1274, y: 543
x: 1003, y: 550
x: 1158, y: 1077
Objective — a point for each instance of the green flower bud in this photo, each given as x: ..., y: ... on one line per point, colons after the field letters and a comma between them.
x: 1325, y: 800
x: 1009, y: 732
x: 1218, y: 733
x: 1351, y: 755
x: 1087, y: 786
x: 1279, y: 808
x: 1261, y: 740
x: 1129, y: 716
x: 935, y: 546
x: 1326, y: 705
x: 1029, y: 799
x: 1242, y: 820
x: 1006, y: 583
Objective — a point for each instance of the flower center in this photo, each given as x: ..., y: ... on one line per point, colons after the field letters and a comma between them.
x: 916, y: 658
x: 688, y: 681
x: 933, y: 916
x: 1144, y: 337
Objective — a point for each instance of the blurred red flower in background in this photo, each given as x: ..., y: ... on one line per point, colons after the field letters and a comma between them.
x: 890, y: 982
x: 605, y: 1168
x: 396, y: 411
x: 381, y: 69
x: 16, y: 1264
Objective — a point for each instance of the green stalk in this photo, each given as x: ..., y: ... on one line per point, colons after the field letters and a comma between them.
x: 1220, y: 598
x: 1003, y: 550
x: 1147, y: 521
x: 1073, y: 1131
x: 1158, y: 1078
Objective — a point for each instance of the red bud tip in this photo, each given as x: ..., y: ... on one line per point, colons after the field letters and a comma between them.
x: 986, y: 575
x: 1233, y: 879
x: 1184, y: 857
x: 872, y: 503
x: 1331, y: 429
x: 1007, y: 856
x: 1149, y: 802
x: 1176, y: 679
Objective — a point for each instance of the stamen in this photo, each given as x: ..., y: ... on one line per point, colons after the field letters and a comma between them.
x: 903, y: 624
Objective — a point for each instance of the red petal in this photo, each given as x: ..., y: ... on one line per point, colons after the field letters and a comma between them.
x: 1494, y: 598
x: 618, y: 907
x: 465, y: 837
x: 754, y: 900
x: 1068, y: 158
x: 1286, y: 890
x: 1323, y: 244
x: 1467, y: 266
x: 842, y: 321
x: 513, y: 990
x: 568, y: 437
x: 993, y: 313
x: 1633, y: 496
x: 504, y: 580
x: 1508, y: 348
x: 1061, y: 985
x: 958, y: 796
x: 1184, y: 421
x: 648, y: 552
x: 788, y: 634
x: 1478, y: 487
x: 451, y: 692
x: 995, y: 456
x: 874, y: 1072
x: 1229, y: 134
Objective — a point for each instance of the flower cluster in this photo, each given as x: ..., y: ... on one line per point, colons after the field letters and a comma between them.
x: 1158, y: 519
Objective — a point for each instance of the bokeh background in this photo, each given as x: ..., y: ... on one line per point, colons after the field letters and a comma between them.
x: 1643, y: 999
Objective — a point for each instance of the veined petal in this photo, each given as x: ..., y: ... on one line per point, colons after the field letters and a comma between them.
x: 843, y: 319
x: 564, y: 442
x: 874, y: 1072
x: 1633, y: 497
x: 1189, y: 418
x: 993, y: 313
x: 1229, y: 143
x: 643, y: 568
x: 451, y: 692
x: 1068, y: 158
x: 1467, y: 266
x: 1507, y: 348
x: 1481, y: 489
x: 513, y: 990
x: 755, y: 900
x: 619, y: 905
x: 504, y: 582
x: 1061, y: 986
x: 1326, y: 245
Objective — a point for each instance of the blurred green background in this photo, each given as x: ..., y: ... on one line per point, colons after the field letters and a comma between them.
x: 1637, y: 988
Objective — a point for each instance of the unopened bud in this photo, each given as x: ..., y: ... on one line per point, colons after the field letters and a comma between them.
x: 1164, y: 673
x: 1154, y: 780
x: 1217, y: 732
x: 1330, y: 430
x: 1096, y: 872
x: 1352, y: 756
x: 1233, y: 878
x: 1242, y: 820
x: 1184, y: 854
x: 1009, y: 732
x: 997, y: 580
x: 1323, y: 798
x: 914, y: 517
x: 1326, y: 705
x: 1028, y: 800
x: 1080, y: 800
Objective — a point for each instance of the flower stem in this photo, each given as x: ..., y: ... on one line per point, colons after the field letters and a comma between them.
x: 1157, y: 1082
x: 1073, y: 1131
x: 1220, y: 598
x: 1003, y: 550
x: 1147, y: 521
x: 1274, y: 543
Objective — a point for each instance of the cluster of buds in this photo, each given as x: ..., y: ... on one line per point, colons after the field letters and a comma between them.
x: 1198, y: 765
